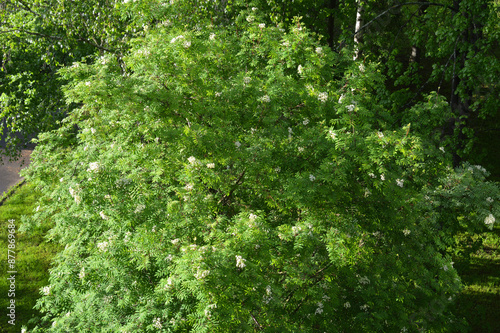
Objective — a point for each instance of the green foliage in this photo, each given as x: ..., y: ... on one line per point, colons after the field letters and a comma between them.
x: 244, y: 177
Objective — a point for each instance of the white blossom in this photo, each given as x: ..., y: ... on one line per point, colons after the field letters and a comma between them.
x: 103, y: 216
x: 382, y: 177
x: 217, y: 94
x: 319, y: 310
x: 347, y: 305
x: 237, y: 144
x: 87, y: 84
x: 305, y: 122
x: 406, y: 232
x: 240, y: 262
x: 188, y: 187
x: 361, y: 67
x: 250, y: 19
x: 319, y: 50
x: 252, y: 217
x: 489, y: 220
x: 46, y: 290
x: 262, y: 25
x: 201, y: 274
x: 312, y: 178
x: 341, y: 98
x: 300, y: 69
x: 92, y: 130
x: 323, y: 97
x: 157, y: 323
x: 187, y: 44
x: 94, y: 166
x: 380, y: 135
x: 139, y: 208
x: 489, y: 199
x: 212, y: 36
x: 192, y: 160
x: 81, y: 275
x: 176, y: 38
x: 364, y: 280
x: 400, y: 182
x: 445, y: 268
x: 247, y: 79
x: 301, y: 149
x: 286, y: 43
x: 442, y: 149
x: 210, y: 165
x: 265, y: 99
x: 102, y: 246
x: 254, y: 9
x: 364, y: 307
x: 332, y: 134
x: 175, y: 241
x: 350, y: 108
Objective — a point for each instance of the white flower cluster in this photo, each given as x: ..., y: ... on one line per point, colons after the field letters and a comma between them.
x: 210, y: 165
x: 323, y: 97
x: 364, y: 307
x: 237, y: 144
x: 364, y: 280
x: 250, y: 19
x: 175, y: 39
x: 406, y: 232
x: 300, y: 69
x: 74, y: 195
x: 192, y: 160
x: 319, y: 50
x: 319, y: 310
x: 489, y: 220
x: 46, y: 290
x: 305, y: 122
x: 332, y: 134
x: 187, y: 44
x: 103, y: 216
x: 247, y: 79
x: 347, y: 305
x: 81, y: 275
x: 240, y: 262
x: 312, y: 178
x: 262, y: 25
x: 400, y: 182
x: 94, y: 167
x: 157, y: 323
x: 212, y: 36
x: 201, y: 274
x: 139, y: 208
x: 265, y: 99
x: 102, y: 246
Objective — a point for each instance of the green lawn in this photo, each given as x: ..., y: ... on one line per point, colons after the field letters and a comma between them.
x: 479, y: 302
x: 33, y: 256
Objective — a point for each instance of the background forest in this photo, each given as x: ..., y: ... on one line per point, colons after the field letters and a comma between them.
x: 239, y: 166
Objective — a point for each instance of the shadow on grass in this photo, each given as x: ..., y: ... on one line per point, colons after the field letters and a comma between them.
x: 33, y: 256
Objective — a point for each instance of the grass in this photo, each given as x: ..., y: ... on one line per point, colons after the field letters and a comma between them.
x: 479, y: 302
x: 33, y: 257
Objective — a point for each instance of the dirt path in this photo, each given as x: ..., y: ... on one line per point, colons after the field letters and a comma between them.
x: 9, y: 171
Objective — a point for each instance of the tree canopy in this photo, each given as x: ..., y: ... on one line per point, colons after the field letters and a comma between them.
x: 228, y: 166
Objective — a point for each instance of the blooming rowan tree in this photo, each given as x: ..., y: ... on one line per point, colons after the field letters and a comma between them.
x: 246, y: 178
